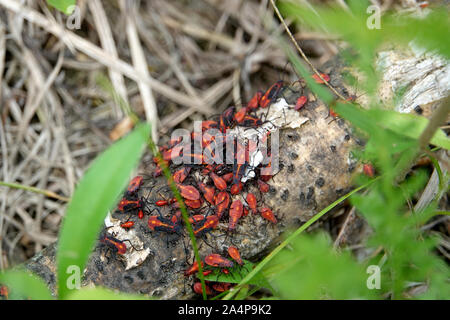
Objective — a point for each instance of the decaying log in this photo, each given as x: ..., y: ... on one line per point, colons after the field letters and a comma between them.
x: 316, y: 169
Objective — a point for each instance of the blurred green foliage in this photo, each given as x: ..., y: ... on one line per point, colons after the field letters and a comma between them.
x: 311, y: 269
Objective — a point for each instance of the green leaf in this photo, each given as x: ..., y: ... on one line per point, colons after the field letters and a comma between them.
x: 237, y: 273
x: 25, y: 285
x: 319, y: 272
x: 100, y: 293
x: 406, y: 124
x: 96, y: 193
x: 65, y: 6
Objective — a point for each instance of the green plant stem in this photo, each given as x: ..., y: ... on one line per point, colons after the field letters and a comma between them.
x: 47, y: 193
x: 271, y: 255
x: 184, y: 213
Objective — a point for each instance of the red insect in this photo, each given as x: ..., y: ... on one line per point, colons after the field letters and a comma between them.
x: 251, y: 201
x: 234, y: 253
x: 369, y: 170
x: 250, y: 121
x: 254, y: 101
x: 239, y: 164
x: 301, y: 101
x: 157, y: 223
x: 228, y: 177
x: 116, y: 244
x: 198, y: 289
x: 140, y: 214
x: 245, y: 213
x: 226, y: 119
x: 218, y: 181
x: 271, y: 94
x: 235, y: 213
x: 162, y: 203
x: 189, y: 192
x: 210, y: 223
x: 194, y: 204
x: 176, y: 218
x: 216, y: 260
x: 324, y: 76
x: 263, y: 187
x: 4, y: 292
x: 267, y: 214
x: 333, y: 114
x: 239, y: 116
x: 222, y: 202
x: 208, y: 124
x: 126, y: 205
x: 192, y: 270
x: 221, y: 286
x: 127, y: 225
x: 236, y: 188
x: 134, y: 185
x: 180, y: 175
x: 208, y: 192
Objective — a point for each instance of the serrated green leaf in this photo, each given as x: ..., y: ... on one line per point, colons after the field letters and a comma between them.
x: 237, y: 273
x: 95, y: 195
x: 404, y: 124
x: 23, y: 284
x: 65, y: 6
x: 100, y: 293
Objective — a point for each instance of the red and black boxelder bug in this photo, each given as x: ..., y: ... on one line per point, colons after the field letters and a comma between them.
x: 239, y: 116
x: 189, y: 192
x: 263, y: 187
x: 216, y: 260
x: 254, y: 101
x: 193, y: 204
x: 218, y: 181
x: 251, y: 201
x: 208, y: 192
x: 115, y: 244
x: 250, y: 121
x: 368, y: 170
x: 180, y: 175
x: 134, y: 185
x: 271, y: 94
x: 209, y: 124
x: 127, y: 225
x: 158, y: 223
x: 324, y: 76
x: 226, y: 119
x: 192, y: 269
x: 221, y: 286
x: 126, y: 205
x: 236, y: 188
x: 198, y: 289
x: 235, y: 213
x: 234, y: 253
x: 222, y: 203
x: 267, y: 214
x: 228, y: 177
x: 4, y: 292
x: 301, y: 101
x: 210, y: 223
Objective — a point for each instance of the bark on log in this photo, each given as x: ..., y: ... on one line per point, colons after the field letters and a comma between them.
x: 316, y: 170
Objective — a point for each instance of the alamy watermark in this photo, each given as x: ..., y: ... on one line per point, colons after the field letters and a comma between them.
x: 374, y: 20
x: 73, y: 282
x: 374, y: 280
x: 73, y: 21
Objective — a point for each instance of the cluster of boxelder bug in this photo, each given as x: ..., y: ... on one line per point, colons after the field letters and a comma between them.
x: 208, y: 190
x: 211, y: 262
